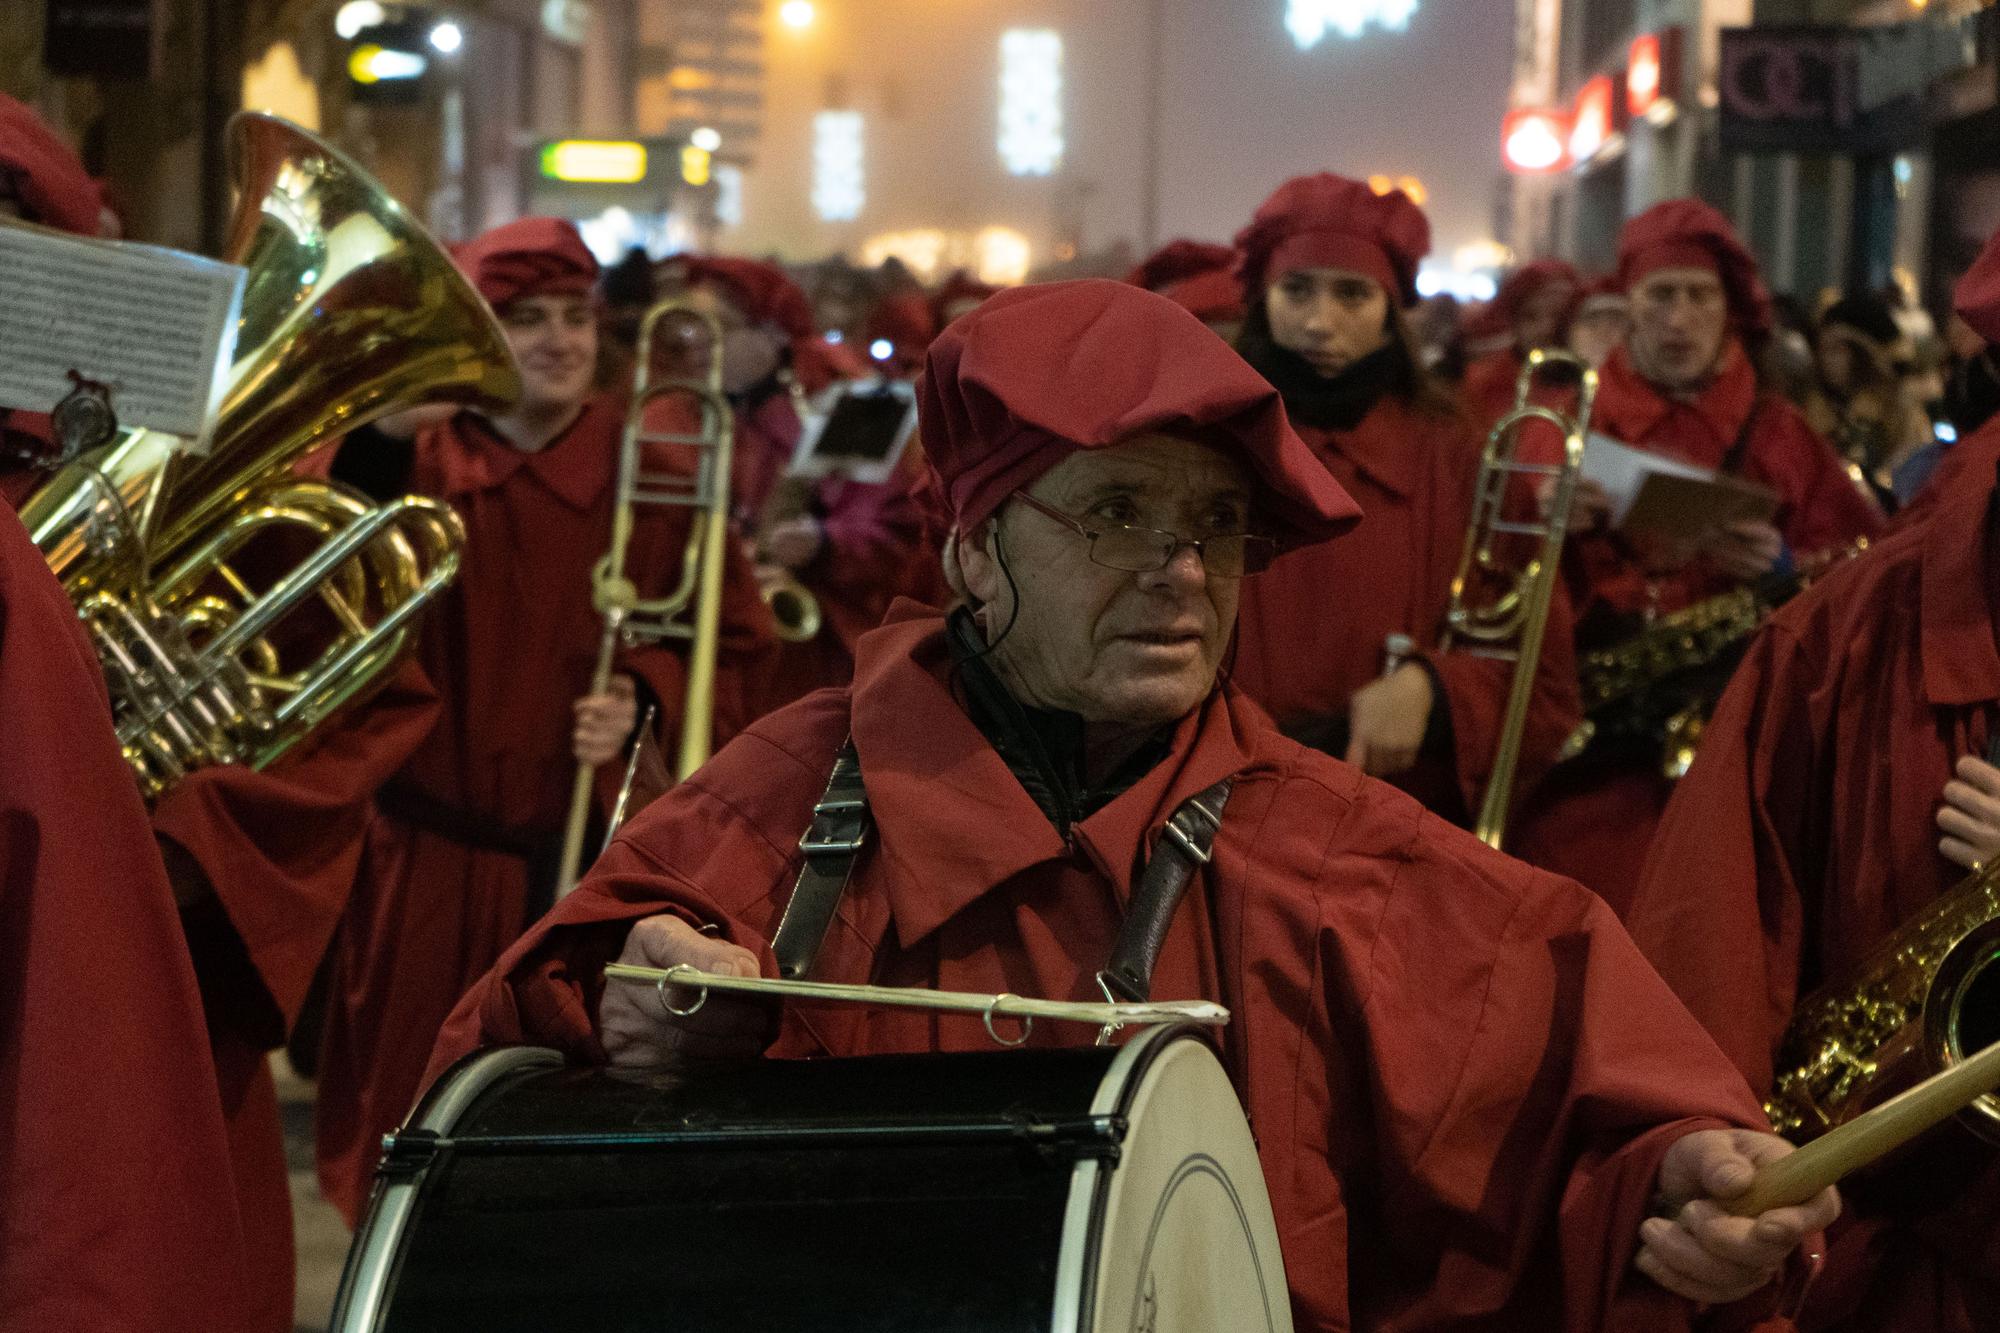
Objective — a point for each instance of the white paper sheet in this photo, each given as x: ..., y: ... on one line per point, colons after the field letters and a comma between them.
x: 1622, y: 470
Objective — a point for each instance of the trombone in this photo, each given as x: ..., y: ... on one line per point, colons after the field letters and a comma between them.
x: 692, y: 611
x: 1510, y: 626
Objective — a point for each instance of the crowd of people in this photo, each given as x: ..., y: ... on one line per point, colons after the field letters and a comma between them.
x: 1195, y: 528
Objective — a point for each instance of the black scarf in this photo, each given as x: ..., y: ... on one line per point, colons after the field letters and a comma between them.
x: 1328, y: 402
x: 1043, y: 747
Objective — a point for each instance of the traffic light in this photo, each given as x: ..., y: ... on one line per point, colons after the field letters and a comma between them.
x: 390, y: 50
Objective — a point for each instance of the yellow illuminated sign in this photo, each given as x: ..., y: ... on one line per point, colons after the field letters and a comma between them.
x: 695, y: 165
x: 594, y: 161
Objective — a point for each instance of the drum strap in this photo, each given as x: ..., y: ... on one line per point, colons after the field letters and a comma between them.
x: 1187, y: 841
x: 832, y: 843
x: 839, y: 830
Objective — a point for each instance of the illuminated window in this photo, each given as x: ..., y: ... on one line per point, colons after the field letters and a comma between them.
x: 1310, y: 20
x: 838, y: 190
x: 729, y: 195
x: 1031, y: 119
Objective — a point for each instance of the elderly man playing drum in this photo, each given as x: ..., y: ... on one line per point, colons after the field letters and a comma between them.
x: 1474, y: 1102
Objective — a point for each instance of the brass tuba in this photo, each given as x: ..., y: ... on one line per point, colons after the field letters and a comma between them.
x: 1500, y: 606
x: 1926, y: 998
x: 349, y: 311
x: 693, y: 609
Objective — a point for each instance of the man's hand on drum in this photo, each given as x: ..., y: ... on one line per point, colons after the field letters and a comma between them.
x: 638, y: 1029
x: 1700, y: 1249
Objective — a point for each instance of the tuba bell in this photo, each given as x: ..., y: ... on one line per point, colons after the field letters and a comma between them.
x: 236, y: 606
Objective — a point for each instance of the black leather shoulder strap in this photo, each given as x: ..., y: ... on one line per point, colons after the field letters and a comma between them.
x: 1188, y: 841
x: 832, y: 843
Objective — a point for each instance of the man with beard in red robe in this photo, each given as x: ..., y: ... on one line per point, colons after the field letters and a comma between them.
x: 854, y: 546
x: 1684, y: 385
x: 1846, y: 782
x: 115, y: 1206
x: 261, y: 861
x: 1328, y: 266
x: 1475, y: 1104
x: 462, y: 853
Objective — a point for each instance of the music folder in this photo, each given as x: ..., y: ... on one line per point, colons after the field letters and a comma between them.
x: 1655, y: 494
x: 859, y: 433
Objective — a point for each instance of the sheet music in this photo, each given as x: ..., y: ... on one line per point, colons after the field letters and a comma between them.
x: 156, y: 325
x: 1622, y: 471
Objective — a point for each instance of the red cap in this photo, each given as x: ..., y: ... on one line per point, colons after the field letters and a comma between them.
x: 1328, y: 221
x: 1977, y: 298
x: 765, y: 292
x: 1687, y: 233
x: 528, y: 257
x: 1212, y: 296
x: 1039, y: 372
x: 960, y: 286
x: 1177, y: 261
x: 55, y: 190
x: 1525, y: 282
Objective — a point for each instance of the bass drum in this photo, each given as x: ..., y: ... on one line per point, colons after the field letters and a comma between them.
x: 1112, y: 1189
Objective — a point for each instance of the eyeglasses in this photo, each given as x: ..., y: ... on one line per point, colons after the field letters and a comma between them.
x: 1229, y: 555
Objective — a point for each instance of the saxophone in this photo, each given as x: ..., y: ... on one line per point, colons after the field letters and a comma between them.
x: 1925, y: 999
x: 1659, y: 686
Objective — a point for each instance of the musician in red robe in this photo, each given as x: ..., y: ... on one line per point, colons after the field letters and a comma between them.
x: 461, y: 855
x: 1328, y: 266
x: 261, y: 861
x: 852, y: 545
x: 1474, y: 1102
x: 1846, y: 782
x: 1684, y: 385
x: 116, y: 1211
x: 1535, y: 304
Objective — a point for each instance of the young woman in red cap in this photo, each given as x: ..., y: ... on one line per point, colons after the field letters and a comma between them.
x: 1845, y: 784
x: 1470, y: 1093
x: 853, y: 545
x: 261, y: 861
x: 1683, y: 385
x: 1327, y: 267
x: 1535, y: 305
x: 462, y: 852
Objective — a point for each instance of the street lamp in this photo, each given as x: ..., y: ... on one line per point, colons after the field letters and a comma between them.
x: 797, y: 13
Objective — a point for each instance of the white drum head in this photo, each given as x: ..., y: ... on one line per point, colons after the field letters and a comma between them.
x: 1186, y: 1242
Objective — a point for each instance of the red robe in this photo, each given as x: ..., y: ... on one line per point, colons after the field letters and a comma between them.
x: 1400, y: 992
x: 874, y: 549
x: 1592, y: 820
x: 277, y: 850
x: 1311, y: 629
x: 445, y: 877
x: 1805, y: 834
x: 116, y: 1211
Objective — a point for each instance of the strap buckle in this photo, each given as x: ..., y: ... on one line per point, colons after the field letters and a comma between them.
x: 1193, y: 828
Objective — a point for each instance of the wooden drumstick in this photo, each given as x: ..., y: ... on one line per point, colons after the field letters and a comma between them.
x: 1796, y: 1178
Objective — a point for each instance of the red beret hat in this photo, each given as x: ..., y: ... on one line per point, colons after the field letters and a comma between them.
x: 1214, y: 295
x: 1040, y: 372
x: 1177, y: 261
x: 1328, y: 221
x: 1525, y: 282
x: 765, y: 292
x: 1977, y: 298
x: 1687, y: 233
x: 55, y: 190
x: 528, y: 257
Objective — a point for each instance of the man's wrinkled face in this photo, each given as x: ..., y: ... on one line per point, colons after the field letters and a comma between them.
x: 555, y: 341
x: 1111, y: 645
x: 1680, y: 324
x: 1332, y: 317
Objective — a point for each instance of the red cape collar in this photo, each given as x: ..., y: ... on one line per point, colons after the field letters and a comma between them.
x: 920, y: 754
